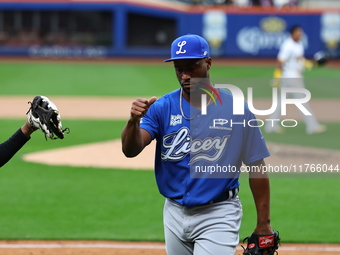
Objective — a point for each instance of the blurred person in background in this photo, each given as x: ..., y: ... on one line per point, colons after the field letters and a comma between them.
x: 293, y: 3
x: 291, y: 64
x: 211, y: 2
x: 283, y: 3
x: 261, y: 2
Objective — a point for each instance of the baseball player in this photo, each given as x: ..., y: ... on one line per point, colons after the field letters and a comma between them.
x: 15, y: 143
x: 202, y: 212
x: 291, y: 64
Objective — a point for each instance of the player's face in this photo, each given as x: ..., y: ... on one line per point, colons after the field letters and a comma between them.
x: 186, y: 69
x: 297, y: 34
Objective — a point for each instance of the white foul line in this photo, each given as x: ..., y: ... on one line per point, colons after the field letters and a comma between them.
x: 145, y: 246
x: 107, y: 246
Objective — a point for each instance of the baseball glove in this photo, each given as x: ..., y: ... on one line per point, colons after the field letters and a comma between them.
x: 321, y: 58
x: 262, y: 244
x: 44, y: 115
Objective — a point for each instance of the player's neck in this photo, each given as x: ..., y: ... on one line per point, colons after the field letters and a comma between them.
x: 296, y: 39
x: 196, y: 100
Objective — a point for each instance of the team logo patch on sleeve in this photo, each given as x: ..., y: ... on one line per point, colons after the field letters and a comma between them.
x: 175, y: 120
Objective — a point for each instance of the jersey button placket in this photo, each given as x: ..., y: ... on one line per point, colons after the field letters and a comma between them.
x: 187, y: 220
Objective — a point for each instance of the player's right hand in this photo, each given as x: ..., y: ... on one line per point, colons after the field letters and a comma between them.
x: 308, y: 65
x: 140, y: 107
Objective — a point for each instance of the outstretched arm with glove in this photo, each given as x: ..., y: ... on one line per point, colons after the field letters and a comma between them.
x: 42, y: 114
x: 15, y: 142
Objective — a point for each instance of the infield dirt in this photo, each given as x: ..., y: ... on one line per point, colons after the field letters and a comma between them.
x: 110, y: 154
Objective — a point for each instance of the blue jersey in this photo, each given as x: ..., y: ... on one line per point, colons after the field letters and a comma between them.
x: 185, y: 149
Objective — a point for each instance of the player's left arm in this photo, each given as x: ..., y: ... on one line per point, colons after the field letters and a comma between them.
x: 260, y: 188
x: 11, y: 146
x: 27, y: 129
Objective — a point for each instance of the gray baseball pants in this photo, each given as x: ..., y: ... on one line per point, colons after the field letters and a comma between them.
x: 203, y: 230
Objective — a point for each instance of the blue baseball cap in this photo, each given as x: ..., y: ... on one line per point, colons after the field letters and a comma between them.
x: 189, y: 47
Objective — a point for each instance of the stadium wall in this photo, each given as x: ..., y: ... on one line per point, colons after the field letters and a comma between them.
x: 99, y: 29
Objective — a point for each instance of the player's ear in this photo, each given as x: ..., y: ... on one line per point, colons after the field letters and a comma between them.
x: 208, y: 61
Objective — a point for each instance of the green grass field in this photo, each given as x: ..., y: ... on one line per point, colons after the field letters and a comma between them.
x: 53, y: 202
x: 141, y: 80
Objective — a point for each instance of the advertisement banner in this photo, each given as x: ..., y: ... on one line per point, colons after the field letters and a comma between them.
x: 330, y: 33
x: 256, y: 35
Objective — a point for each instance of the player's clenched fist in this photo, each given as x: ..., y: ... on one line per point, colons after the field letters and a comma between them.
x: 140, y: 107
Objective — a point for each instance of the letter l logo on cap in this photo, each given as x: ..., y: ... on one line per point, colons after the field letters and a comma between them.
x: 180, y: 45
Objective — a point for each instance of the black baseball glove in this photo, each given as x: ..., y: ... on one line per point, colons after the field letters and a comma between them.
x: 44, y: 115
x: 262, y: 244
x: 321, y: 58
